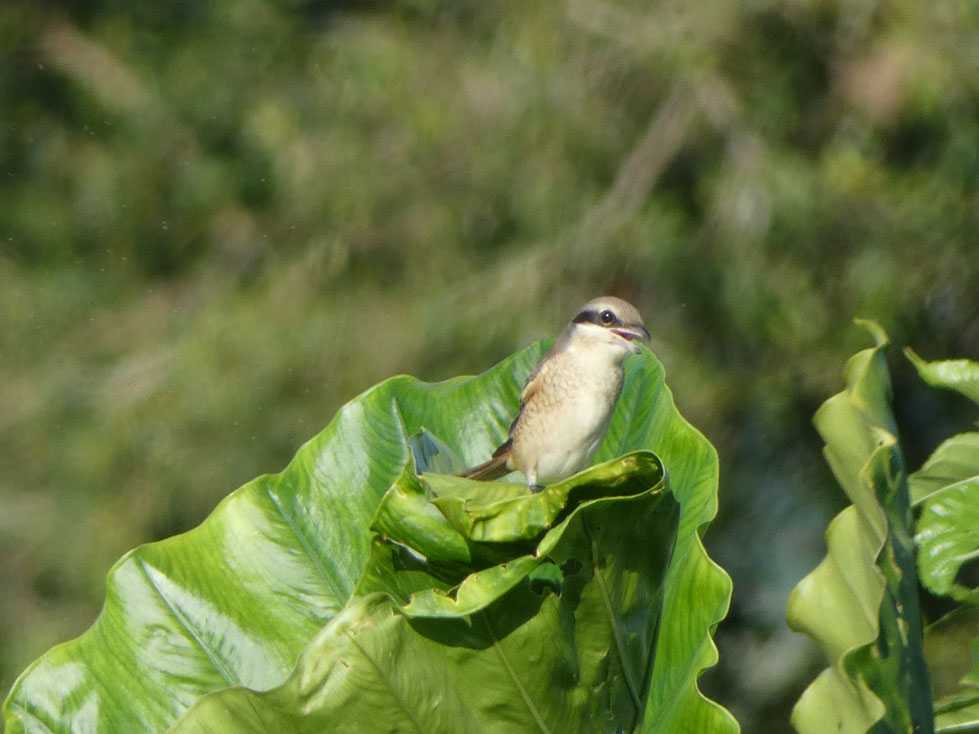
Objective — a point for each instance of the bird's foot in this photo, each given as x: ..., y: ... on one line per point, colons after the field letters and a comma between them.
x: 535, y: 488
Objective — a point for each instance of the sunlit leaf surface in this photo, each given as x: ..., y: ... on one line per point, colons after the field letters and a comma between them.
x: 961, y: 375
x: 948, y: 536
x: 591, y: 602
x: 946, y: 489
x: 495, y: 654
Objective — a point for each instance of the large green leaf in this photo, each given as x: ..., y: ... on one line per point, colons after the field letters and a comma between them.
x: 236, y: 601
x: 961, y: 375
x: 955, y: 461
x: 947, y: 533
x: 493, y: 655
x: 946, y: 489
x: 861, y: 603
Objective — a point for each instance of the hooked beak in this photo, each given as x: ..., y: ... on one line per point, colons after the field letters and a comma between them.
x: 633, y: 333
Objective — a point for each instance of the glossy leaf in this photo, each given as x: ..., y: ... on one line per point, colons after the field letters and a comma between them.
x: 946, y: 489
x: 697, y: 591
x: 954, y: 461
x: 961, y: 375
x: 511, y: 660
x: 948, y: 537
x: 236, y: 601
x: 861, y: 603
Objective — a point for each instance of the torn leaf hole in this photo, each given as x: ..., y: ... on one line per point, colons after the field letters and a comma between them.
x: 546, y: 577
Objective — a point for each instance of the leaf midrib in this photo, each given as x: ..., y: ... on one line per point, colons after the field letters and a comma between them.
x: 538, y: 719
x: 392, y: 690
x: 332, y: 581
x: 627, y: 673
x: 945, y: 488
x: 184, y: 622
x: 28, y: 714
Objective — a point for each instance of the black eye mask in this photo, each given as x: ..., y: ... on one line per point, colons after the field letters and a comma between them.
x: 592, y: 316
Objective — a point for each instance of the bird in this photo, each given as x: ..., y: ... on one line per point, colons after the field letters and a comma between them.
x: 568, y: 399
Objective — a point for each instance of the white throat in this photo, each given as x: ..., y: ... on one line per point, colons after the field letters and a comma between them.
x: 597, y: 344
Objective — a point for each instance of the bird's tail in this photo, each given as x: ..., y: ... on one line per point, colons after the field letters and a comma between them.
x: 492, y: 469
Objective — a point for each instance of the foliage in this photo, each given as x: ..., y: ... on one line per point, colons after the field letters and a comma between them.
x: 220, y: 220
x: 946, y: 491
x: 588, y: 605
x: 493, y: 655
x: 861, y: 603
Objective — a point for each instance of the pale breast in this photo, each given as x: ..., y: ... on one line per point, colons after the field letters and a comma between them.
x: 565, y: 417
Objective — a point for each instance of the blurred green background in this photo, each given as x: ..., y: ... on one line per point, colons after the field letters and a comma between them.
x: 221, y: 220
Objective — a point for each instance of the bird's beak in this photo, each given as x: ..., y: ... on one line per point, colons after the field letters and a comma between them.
x: 633, y: 332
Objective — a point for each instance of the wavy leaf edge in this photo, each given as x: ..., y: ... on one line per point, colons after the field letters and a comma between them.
x: 706, y: 500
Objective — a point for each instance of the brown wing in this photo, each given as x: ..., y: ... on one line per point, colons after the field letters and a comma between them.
x: 534, y: 382
x: 496, y: 466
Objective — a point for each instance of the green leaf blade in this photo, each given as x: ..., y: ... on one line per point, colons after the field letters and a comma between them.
x: 861, y: 603
x: 961, y: 375
x: 287, y: 569
x: 698, y: 591
x: 955, y: 460
x: 947, y: 539
x: 947, y: 491
x: 523, y: 661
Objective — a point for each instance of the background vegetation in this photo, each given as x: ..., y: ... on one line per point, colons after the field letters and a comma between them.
x: 220, y: 221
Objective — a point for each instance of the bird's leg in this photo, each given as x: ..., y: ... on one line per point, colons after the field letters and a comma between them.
x: 532, y: 484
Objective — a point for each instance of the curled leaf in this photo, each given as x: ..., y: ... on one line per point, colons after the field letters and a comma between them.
x: 861, y: 602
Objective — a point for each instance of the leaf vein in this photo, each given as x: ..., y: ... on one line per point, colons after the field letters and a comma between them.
x: 184, y: 622
x: 387, y: 683
x: 945, y: 488
x: 341, y: 595
x: 513, y: 675
x: 28, y: 714
x: 627, y: 672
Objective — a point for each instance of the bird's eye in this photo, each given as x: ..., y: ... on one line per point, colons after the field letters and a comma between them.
x: 606, y: 316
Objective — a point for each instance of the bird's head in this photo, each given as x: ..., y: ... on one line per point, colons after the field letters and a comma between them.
x: 612, y: 322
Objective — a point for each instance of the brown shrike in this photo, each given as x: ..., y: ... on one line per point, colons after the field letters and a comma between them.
x: 568, y: 400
